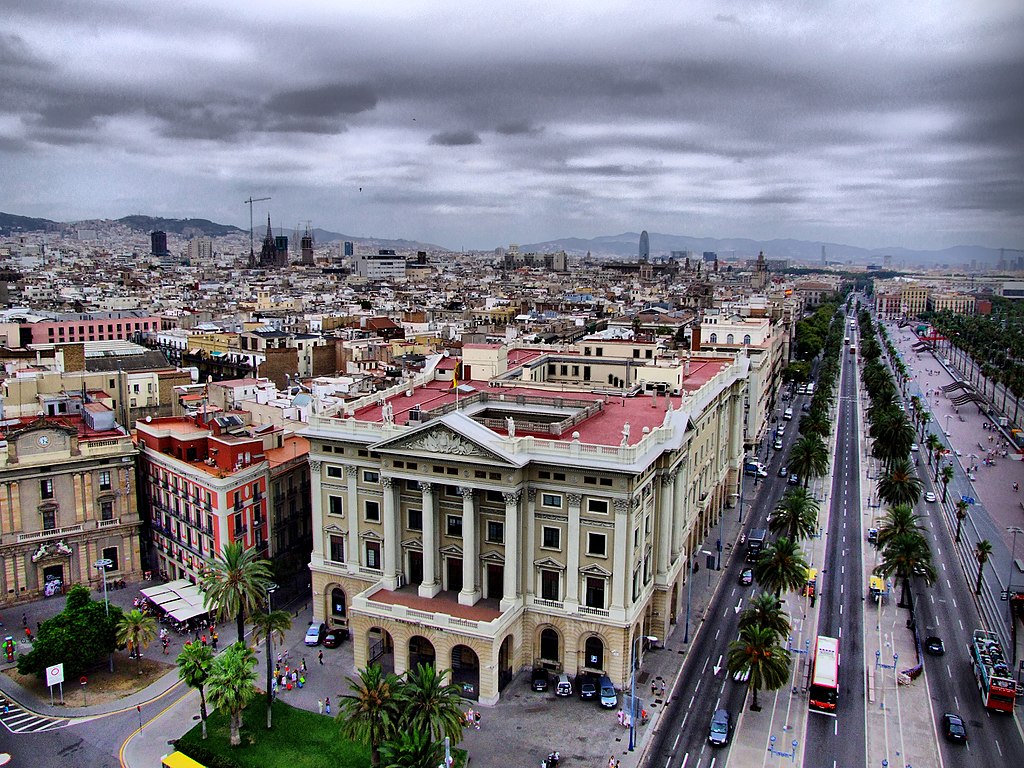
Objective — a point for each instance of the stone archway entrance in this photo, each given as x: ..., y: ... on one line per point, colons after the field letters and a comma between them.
x: 550, y: 648
x: 338, y: 612
x: 421, y: 651
x: 505, y: 663
x: 593, y: 654
x: 466, y: 671
x: 380, y: 648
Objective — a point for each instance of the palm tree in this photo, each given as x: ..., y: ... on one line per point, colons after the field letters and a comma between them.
x: 982, y: 551
x: 897, y: 521
x: 765, y: 611
x: 781, y: 566
x: 893, y: 436
x: 961, y: 513
x: 270, y: 625
x: 933, y: 445
x: 232, y: 685
x: 946, y: 475
x: 809, y: 458
x: 431, y: 705
x: 372, y: 713
x: 900, y: 484
x: 194, y: 664
x: 136, y: 630
x: 412, y: 749
x: 925, y: 416
x: 796, y: 515
x: 904, y: 556
x: 235, y: 583
x: 758, y: 650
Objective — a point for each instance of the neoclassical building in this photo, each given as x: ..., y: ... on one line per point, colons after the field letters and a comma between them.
x: 66, y: 502
x: 531, y: 515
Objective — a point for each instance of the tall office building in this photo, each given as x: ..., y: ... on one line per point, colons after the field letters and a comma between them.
x: 281, y: 249
x: 307, y: 247
x: 158, y: 243
x: 645, y: 246
x: 349, y: 248
x: 200, y: 249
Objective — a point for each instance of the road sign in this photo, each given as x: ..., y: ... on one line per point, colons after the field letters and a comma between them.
x: 55, y: 674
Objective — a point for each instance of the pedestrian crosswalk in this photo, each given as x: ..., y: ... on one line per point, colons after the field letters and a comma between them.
x: 16, y: 719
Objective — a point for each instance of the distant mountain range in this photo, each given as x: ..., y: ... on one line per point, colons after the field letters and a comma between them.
x: 627, y: 245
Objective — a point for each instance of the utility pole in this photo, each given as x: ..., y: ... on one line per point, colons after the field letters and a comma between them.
x: 249, y: 202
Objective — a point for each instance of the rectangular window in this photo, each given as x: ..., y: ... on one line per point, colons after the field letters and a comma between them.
x: 104, y: 481
x: 495, y: 532
x: 106, y: 510
x: 454, y: 526
x: 550, y: 589
x: 372, y: 511
x: 49, y: 519
x: 373, y: 554
x: 335, y: 506
x: 597, y: 544
x: 551, y: 500
x: 594, y: 596
x: 371, y: 477
x: 560, y: 476
x: 495, y: 496
x: 597, y: 506
x: 551, y: 538
x: 334, y: 471
x: 415, y: 519
x: 337, y: 549
x: 110, y: 553
x: 46, y: 489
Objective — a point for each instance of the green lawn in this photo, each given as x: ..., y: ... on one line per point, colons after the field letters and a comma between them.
x: 299, y: 739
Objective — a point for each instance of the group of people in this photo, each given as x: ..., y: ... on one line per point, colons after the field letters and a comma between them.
x: 473, y: 718
x: 290, y: 678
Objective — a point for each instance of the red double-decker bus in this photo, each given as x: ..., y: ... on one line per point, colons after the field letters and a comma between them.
x: 992, y: 671
x: 825, y: 675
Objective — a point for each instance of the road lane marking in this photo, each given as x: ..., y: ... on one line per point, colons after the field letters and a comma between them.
x: 706, y: 662
x: 961, y: 625
x: 949, y: 586
x: 675, y: 744
x: 835, y: 728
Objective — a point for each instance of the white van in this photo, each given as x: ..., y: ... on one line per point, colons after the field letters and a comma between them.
x: 563, y: 687
x: 788, y: 414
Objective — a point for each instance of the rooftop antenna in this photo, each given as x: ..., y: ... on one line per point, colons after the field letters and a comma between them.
x: 249, y: 202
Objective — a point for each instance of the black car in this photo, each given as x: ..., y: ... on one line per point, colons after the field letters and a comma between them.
x: 335, y: 637
x: 587, y: 687
x: 794, y: 479
x: 953, y: 727
x: 539, y: 680
x: 746, y: 577
x: 783, y: 471
x: 934, y: 646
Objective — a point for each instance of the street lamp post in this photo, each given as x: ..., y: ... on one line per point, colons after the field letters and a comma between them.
x: 948, y: 415
x: 102, y: 565
x: 271, y: 589
x: 632, y: 696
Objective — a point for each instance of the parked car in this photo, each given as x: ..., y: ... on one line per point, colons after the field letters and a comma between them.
x: 335, y: 637
x: 605, y: 689
x: 934, y: 646
x: 787, y: 414
x: 746, y: 577
x: 929, y: 497
x: 953, y: 727
x: 872, y: 534
x: 587, y: 687
x: 562, y: 686
x: 721, y: 725
x: 315, y: 634
x: 539, y: 680
x: 805, y: 407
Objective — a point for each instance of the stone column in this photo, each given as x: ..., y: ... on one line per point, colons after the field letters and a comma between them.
x: 531, y: 534
x: 665, y: 524
x: 679, y: 517
x: 511, y: 572
x: 621, y: 575
x: 572, y: 554
x: 352, y: 553
x: 470, y: 593
x: 430, y: 585
x: 391, y: 569
x: 317, y: 523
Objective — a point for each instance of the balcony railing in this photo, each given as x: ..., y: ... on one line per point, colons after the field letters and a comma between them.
x: 240, y: 531
x: 52, y: 533
x: 112, y: 523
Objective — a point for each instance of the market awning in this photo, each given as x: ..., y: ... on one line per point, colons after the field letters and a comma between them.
x: 190, y: 612
x: 152, y: 592
x: 192, y: 593
x: 165, y: 598
x: 178, y: 584
x: 174, y: 605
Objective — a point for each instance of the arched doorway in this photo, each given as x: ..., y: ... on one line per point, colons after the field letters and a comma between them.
x: 466, y: 671
x: 673, y: 608
x: 339, y: 613
x: 505, y: 662
x: 550, y: 647
x: 380, y: 648
x: 593, y: 653
x: 421, y: 651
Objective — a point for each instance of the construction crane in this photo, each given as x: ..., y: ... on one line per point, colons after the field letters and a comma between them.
x: 249, y: 202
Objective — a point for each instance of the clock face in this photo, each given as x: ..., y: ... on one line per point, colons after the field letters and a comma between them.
x: 43, y: 441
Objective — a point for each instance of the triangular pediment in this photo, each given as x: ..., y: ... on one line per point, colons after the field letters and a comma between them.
x: 372, y: 535
x: 332, y: 528
x: 595, y: 570
x: 493, y: 557
x: 452, y: 550
x: 549, y: 562
x: 414, y: 544
x: 453, y: 436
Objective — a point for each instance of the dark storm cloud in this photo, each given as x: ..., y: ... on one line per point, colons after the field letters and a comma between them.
x: 324, y: 101
x: 15, y: 53
x: 518, y: 128
x: 455, y: 138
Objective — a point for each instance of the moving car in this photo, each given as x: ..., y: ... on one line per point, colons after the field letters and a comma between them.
x: 777, y: 445
x: 787, y: 414
x: 587, y: 685
x: 783, y: 471
x: 746, y: 577
x: 794, y: 479
x: 315, y: 634
x: 953, y: 727
x: 721, y: 725
x: 934, y: 646
x: 539, y: 679
x: 335, y: 637
x: 929, y: 497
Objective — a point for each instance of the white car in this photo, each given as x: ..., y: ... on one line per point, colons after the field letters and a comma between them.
x: 929, y: 497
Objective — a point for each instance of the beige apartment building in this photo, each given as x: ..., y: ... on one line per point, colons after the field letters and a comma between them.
x: 961, y: 303
x: 534, y: 514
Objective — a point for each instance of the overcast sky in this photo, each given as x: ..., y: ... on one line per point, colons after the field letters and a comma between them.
x: 475, y: 124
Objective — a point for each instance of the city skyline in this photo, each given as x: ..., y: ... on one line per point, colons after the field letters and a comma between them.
x: 478, y: 125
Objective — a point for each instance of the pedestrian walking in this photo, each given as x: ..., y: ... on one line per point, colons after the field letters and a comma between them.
x: 28, y: 634
x: 213, y: 640
x: 654, y: 687
x: 24, y: 620
x: 320, y: 657
x: 302, y: 666
x: 619, y: 716
x: 295, y: 678
x: 327, y: 705
x: 320, y: 705
x: 476, y: 720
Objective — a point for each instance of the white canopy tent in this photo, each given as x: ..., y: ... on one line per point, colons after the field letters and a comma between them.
x: 188, y: 612
x: 152, y: 592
